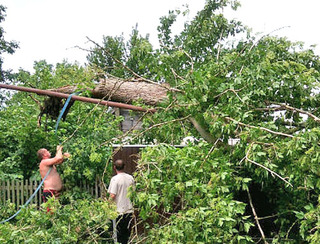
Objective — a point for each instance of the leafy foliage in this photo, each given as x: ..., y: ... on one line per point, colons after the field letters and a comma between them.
x: 119, y: 58
x: 84, y: 220
x: 8, y: 47
x: 188, y: 195
x: 263, y: 92
x: 90, y: 126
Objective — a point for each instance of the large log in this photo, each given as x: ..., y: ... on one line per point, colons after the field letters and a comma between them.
x: 119, y: 90
x: 129, y: 91
x: 124, y: 91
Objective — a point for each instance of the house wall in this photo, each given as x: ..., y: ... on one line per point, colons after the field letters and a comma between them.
x: 130, y: 155
x: 131, y: 119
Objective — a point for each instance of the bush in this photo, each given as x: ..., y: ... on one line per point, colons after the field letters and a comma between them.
x: 84, y: 221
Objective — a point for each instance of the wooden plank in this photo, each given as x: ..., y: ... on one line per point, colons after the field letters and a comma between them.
x: 21, y: 192
x: 34, y: 200
x: 25, y: 192
x: 2, y: 196
x: 17, y: 189
x: 8, y: 189
x: 13, y: 195
x: 33, y: 190
x: 35, y: 185
x: 3, y: 191
x: 29, y: 189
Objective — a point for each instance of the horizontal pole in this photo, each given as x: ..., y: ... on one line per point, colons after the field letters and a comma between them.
x: 76, y: 98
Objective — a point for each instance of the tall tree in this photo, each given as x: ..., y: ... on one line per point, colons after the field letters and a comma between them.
x: 5, y: 46
x: 263, y: 92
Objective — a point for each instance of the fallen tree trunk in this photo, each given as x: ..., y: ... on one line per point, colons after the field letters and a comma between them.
x: 117, y: 90
x: 124, y: 91
x: 58, y: 94
x: 129, y: 91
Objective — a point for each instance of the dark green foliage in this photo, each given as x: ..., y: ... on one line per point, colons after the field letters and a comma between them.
x: 121, y: 59
x: 189, y: 195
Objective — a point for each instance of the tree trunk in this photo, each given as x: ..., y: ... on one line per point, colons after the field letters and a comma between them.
x: 118, y: 90
x: 129, y: 91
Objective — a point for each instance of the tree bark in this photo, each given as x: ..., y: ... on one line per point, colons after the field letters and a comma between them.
x: 202, y: 131
x: 129, y: 91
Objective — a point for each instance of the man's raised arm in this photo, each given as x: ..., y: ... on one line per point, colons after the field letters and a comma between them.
x: 58, y: 159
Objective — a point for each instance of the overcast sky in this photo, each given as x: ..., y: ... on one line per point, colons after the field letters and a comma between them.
x: 50, y: 30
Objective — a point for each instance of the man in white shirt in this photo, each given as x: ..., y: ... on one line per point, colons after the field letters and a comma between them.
x: 118, y: 190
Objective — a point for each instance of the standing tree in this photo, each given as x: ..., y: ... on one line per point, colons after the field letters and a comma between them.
x: 263, y: 92
x: 5, y: 46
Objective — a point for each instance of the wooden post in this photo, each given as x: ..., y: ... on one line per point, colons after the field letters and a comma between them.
x: 8, y: 189
x: 35, y: 199
x: 17, y: 190
x: 13, y: 199
x: 30, y: 189
x: 25, y: 190
x: 3, y: 192
x: 21, y: 192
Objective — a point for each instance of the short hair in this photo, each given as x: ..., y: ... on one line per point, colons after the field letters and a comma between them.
x: 41, y: 152
x: 119, y: 164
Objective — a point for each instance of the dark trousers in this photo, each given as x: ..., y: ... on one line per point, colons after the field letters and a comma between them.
x: 47, y: 194
x: 123, y: 225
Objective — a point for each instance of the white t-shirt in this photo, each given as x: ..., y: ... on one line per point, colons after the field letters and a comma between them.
x: 119, y: 186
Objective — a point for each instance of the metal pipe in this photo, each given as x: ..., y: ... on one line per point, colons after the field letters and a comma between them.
x: 77, y: 98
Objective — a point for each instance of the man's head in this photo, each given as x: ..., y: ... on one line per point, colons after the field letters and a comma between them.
x: 43, y: 153
x: 119, y: 165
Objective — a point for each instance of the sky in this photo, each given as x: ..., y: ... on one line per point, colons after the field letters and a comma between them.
x: 51, y: 30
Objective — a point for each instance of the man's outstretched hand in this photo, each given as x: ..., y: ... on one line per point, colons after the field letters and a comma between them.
x: 66, y: 155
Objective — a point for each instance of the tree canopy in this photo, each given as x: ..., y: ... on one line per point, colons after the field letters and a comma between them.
x: 261, y: 92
